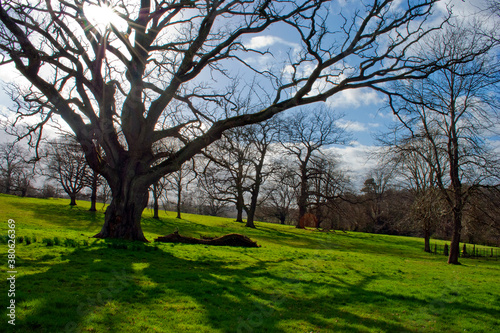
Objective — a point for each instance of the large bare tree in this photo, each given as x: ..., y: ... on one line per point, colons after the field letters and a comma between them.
x: 452, y: 111
x: 123, y: 84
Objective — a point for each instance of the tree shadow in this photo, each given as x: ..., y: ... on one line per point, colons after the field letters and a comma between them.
x: 71, y: 217
x: 113, y: 288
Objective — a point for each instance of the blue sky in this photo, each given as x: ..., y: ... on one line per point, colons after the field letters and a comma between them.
x: 363, y: 109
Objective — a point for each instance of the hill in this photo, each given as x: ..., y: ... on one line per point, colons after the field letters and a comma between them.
x: 297, y: 281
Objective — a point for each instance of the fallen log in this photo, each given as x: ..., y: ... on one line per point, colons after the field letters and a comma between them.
x: 226, y: 240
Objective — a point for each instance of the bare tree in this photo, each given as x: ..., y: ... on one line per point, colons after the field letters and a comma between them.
x: 375, y: 189
x: 158, y: 190
x: 66, y: 164
x: 280, y: 192
x: 180, y: 180
x: 16, y: 173
x: 328, y: 186
x: 230, y: 161
x: 239, y: 160
x: 413, y: 162
x: 112, y: 82
x: 452, y: 111
x: 261, y: 137
x: 302, y: 136
x: 210, y: 199
x: 94, y: 182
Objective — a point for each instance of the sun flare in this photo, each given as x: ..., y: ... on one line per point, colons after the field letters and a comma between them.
x: 102, y: 17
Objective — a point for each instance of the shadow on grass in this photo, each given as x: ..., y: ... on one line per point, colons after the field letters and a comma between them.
x: 70, y: 217
x: 104, y: 289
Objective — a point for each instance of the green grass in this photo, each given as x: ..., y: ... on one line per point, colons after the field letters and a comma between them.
x: 298, y: 281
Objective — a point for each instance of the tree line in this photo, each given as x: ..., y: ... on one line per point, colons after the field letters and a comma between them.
x: 281, y: 171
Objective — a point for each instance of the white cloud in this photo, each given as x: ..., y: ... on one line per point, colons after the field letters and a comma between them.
x: 357, y: 159
x: 261, y: 42
x: 356, y: 126
x: 355, y: 98
x: 9, y: 73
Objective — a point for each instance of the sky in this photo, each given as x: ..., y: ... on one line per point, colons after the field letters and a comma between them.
x: 362, y: 109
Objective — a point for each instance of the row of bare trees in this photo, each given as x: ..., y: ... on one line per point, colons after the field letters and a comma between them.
x: 61, y: 163
x: 272, y: 166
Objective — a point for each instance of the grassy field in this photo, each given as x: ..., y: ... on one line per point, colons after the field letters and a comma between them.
x: 297, y: 281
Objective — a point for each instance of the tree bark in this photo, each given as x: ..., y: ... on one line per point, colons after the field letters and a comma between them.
x: 239, y: 204
x: 255, y: 192
x: 455, y: 238
x: 427, y: 241
x: 72, y: 196
x: 251, y: 212
x: 8, y: 184
x: 456, y: 184
x: 226, y: 240
x: 93, y: 196
x: 302, y: 200
x: 155, y: 201
x: 179, y: 199
x: 123, y: 215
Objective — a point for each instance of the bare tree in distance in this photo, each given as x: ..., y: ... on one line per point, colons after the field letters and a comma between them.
x: 452, y: 111
x: 280, y: 192
x: 16, y: 170
x: 112, y: 82
x: 328, y: 185
x: 66, y: 164
x: 260, y: 137
x: 209, y: 196
x: 180, y: 180
x: 94, y: 182
x: 302, y: 136
x: 375, y: 188
x: 230, y: 161
x: 413, y: 160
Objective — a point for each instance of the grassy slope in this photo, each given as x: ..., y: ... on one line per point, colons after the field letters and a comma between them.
x: 298, y: 281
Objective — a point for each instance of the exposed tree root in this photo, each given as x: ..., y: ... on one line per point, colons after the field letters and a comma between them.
x: 226, y: 240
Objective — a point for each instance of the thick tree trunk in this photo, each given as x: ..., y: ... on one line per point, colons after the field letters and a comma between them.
x: 456, y: 185
x: 239, y: 205
x: 8, y: 184
x: 303, y: 196
x: 123, y: 215
x: 179, y: 200
x: 302, y: 212
x: 93, y: 196
x: 427, y: 245
x: 155, y: 202
x: 427, y: 240
x: 455, y: 238
x: 72, y: 197
x: 251, y: 212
